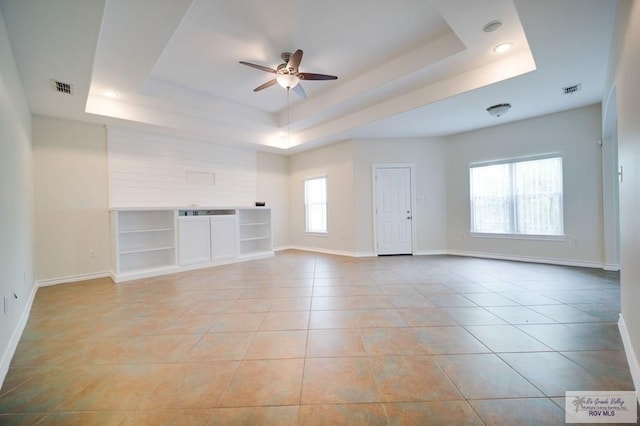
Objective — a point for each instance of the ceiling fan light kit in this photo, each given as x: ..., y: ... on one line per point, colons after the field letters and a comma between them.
x: 288, y: 81
x: 287, y: 74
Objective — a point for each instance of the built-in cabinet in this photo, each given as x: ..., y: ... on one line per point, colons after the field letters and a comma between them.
x: 155, y: 242
x: 195, y: 240
x: 207, y: 237
x: 224, y: 237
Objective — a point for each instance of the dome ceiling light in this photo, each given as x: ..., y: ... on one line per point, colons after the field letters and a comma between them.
x: 492, y: 26
x: 499, y: 110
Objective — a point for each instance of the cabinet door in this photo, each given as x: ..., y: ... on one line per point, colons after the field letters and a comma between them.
x: 194, y: 240
x: 224, y: 239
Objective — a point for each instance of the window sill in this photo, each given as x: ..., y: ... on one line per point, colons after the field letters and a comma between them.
x: 316, y: 234
x: 519, y: 236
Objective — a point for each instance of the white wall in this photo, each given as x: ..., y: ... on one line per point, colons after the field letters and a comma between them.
x: 71, y: 187
x: 626, y: 72
x: 16, y: 204
x: 348, y: 167
x: 573, y: 133
x: 430, y: 216
x: 70, y: 182
x: 148, y: 170
x: 336, y: 163
x: 273, y: 188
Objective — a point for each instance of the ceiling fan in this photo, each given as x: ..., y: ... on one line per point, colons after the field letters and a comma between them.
x: 287, y: 74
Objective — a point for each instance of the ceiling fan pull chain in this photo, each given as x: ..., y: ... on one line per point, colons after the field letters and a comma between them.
x: 288, y: 119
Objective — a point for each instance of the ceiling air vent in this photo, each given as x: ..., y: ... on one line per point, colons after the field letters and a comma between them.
x: 569, y: 90
x: 62, y: 87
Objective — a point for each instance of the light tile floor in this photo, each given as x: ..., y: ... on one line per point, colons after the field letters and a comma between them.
x: 311, y: 339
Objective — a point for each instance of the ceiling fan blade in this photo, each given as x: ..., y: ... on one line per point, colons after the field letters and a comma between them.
x: 260, y: 67
x: 294, y: 60
x: 300, y: 91
x: 265, y: 85
x: 312, y: 76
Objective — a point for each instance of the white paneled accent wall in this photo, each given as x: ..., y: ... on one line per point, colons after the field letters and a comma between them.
x: 148, y: 170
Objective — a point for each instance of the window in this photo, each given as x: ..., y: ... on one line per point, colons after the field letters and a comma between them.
x: 315, y: 202
x: 517, y: 197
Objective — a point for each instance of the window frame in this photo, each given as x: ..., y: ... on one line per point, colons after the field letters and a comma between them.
x: 326, y: 206
x: 513, y: 214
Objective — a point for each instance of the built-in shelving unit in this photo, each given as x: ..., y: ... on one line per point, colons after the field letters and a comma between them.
x: 255, y: 231
x: 145, y: 240
x: 150, y: 242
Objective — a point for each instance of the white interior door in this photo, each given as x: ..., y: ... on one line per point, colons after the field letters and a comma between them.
x: 393, y: 210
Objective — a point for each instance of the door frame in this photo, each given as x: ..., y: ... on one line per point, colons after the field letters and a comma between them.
x: 374, y: 168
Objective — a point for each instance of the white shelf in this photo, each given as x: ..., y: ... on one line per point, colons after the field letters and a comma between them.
x: 137, y: 231
x: 143, y: 250
x: 255, y: 224
x: 254, y: 238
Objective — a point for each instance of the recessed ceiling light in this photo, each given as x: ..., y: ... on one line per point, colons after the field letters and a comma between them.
x: 492, y: 26
x: 502, y: 47
x: 110, y: 94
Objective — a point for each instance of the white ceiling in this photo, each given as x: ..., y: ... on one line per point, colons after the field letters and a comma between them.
x: 406, y: 68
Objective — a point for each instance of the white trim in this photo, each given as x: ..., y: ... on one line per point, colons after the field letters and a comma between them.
x: 173, y: 269
x: 611, y: 267
x: 632, y: 359
x: 430, y: 253
x: 72, y: 279
x: 529, y: 259
x: 510, y: 236
x: 412, y: 175
x: 5, y: 361
x: 332, y: 252
x: 443, y: 252
x: 558, y: 154
x: 316, y: 234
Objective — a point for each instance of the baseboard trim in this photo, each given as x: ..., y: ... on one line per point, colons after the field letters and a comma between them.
x: 174, y: 269
x: 332, y: 252
x: 5, y: 362
x: 483, y: 255
x: 529, y: 259
x: 632, y: 359
x: 72, y: 279
x: 430, y: 253
x: 611, y: 267
x: 357, y: 254
x: 283, y: 248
